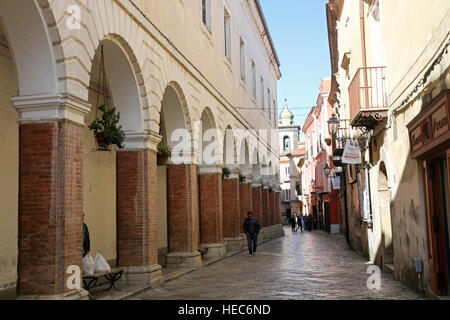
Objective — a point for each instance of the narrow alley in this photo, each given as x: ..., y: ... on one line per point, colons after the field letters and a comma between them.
x: 299, y: 266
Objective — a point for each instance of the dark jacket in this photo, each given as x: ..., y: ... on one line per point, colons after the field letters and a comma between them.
x: 86, y: 240
x: 251, y: 226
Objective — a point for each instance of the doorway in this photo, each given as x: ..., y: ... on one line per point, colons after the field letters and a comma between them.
x: 436, y: 181
x: 327, y: 217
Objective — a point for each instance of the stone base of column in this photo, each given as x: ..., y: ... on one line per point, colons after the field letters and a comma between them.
x: 261, y: 238
x: 267, y: 234
x: 71, y: 296
x: 280, y: 230
x: 215, y: 250
x: 244, y: 242
x: 234, y: 244
x: 151, y: 275
x: 191, y: 260
x: 273, y: 232
x: 335, y: 229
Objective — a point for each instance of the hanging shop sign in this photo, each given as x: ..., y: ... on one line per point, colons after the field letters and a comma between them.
x: 352, y: 152
x: 430, y: 130
x: 336, y: 181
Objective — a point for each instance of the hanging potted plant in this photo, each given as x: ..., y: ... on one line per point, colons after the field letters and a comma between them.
x: 107, y: 129
x: 225, y: 173
x: 242, y: 179
x: 163, y: 155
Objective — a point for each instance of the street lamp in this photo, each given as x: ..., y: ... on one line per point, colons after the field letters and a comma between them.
x: 333, y: 125
x: 327, y: 170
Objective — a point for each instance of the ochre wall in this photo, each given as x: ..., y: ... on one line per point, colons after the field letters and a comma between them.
x: 99, y: 190
x: 9, y: 173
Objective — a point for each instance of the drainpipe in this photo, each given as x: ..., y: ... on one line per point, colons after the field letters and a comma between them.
x: 363, y: 34
x: 363, y: 49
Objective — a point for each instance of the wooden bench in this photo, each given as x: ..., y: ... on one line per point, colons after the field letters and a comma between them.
x: 90, y: 282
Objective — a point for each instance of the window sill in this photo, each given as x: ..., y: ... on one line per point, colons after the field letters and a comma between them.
x: 228, y: 63
x: 243, y: 84
x: 207, y: 33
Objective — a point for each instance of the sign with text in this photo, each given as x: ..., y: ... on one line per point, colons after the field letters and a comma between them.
x: 352, y: 153
x: 336, y: 181
x: 430, y: 130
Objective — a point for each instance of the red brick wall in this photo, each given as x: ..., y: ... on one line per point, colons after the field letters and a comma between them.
x: 231, y: 208
x: 50, y: 206
x: 136, y: 209
x: 211, y: 210
x: 182, y: 202
x: 257, y: 203
x: 271, y: 208
x: 245, y: 203
x: 265, y: 208
x: 278, y: 218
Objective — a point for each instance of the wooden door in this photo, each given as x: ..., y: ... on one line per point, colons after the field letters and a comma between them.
x: 435, y: 226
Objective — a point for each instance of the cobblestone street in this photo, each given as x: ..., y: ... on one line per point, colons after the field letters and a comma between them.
x: 300, y: 266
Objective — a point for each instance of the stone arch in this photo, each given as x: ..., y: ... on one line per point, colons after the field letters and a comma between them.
x: 36, y: 69
x: 175, y: 123
x: 209, y: 148
x: 244, y: 159
x: 229, y: 148
x: 29, y: 78
x: 125, y: 82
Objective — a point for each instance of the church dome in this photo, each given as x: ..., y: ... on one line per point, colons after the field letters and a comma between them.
x: 286, y: 117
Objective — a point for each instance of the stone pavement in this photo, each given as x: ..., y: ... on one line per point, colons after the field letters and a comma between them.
x: 300, y: 266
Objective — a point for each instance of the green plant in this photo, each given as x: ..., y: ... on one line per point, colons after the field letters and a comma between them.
x: 108, y: 126
x: 270, y: 189
x: 164, y: 152
x: 225, y: 173
x: 242, y: 178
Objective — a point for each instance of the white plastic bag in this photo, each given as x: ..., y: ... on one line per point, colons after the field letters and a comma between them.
x: 101, y: 265
x: 88, y: 265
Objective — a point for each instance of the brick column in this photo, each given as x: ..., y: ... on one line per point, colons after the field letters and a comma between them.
x: 231, y: 213
x: 182, y: 208
x: 278, y: 219
x: 265, y: 214
x: 265, y: 207
x: 137, y: 226
x: 257, y: 202
x: 246, y: 205
x: 211, y: 211
x: 271, y: 208
x: 50, y: 196
x: 245, y: 202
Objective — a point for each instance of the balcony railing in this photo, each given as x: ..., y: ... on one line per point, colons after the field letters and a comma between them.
x: 367, y: 97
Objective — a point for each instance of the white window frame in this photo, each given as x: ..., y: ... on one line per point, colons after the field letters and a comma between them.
x: 242, y: 57
x: 206, y: 16
x: 227, y: 34
x: 254, y: 79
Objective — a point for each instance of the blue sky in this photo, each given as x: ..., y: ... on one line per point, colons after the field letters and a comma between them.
x: 299, y: 31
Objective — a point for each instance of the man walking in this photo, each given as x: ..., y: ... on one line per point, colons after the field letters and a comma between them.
x: 251, y: 229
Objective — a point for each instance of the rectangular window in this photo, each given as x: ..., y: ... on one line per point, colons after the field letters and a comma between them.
x: 275, y: 114
x: 269, y: 107
x: 254, y: 79
x: 206, y: 13
x: 227, y: 35
x: 242, y: 52
x: 263, y: 105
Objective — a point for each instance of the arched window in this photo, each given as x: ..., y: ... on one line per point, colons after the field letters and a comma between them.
x: 287, y: 143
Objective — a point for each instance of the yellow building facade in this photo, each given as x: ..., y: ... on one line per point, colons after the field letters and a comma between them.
x: 390, y: 60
